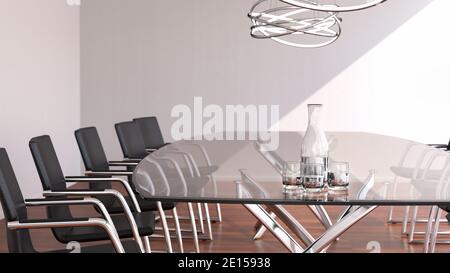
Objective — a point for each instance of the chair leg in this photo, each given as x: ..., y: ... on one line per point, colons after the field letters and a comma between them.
x: 146, y: 240
x: 435, y: 230
x: 405, y: 220
x: 412, y: 229
x: 200, y: 218
x: 194, y: 228
x: 431, y: 217
x: 219, y: 213
x: 208, y: 222
x: 162, y: 214
x: 391, y: 208
x: 178, y: 229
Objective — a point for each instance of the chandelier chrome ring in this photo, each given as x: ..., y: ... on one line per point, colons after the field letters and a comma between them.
x: 317, y: 45
x: 303, y: 45
x: 331, y: 8
x: 279, y: 22
x: 259, y: 22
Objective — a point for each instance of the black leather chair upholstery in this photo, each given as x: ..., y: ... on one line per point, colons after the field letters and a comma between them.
x: 15, y: 210
x: 53, y: 180
x: 131, y: 140
x: 151, y: 132
x: 95, y: 160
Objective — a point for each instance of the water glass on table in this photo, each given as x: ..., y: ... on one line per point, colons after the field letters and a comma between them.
x: 338, y: 176
x: 291, y: 174
x: 312, y: 177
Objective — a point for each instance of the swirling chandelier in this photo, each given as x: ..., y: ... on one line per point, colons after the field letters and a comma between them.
x: 302, y: 23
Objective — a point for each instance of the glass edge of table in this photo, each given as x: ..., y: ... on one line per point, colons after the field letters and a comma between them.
x: 255, y: 201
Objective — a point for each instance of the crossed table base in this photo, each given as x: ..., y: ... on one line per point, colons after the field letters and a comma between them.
x: 350, y: 217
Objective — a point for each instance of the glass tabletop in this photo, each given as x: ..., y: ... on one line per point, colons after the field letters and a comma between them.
x: 384, y: 170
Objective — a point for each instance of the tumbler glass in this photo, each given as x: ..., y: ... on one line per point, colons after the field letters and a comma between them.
x: 312, y: 177
x: 338, y: 176
x: 291, y: 174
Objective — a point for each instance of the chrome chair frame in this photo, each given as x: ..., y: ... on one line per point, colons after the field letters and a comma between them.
x: 193, y: 172
x: 413, y: 221
x: 105, y: 224
x: 70, y: 193
x: 165, y: 228
x: 435, y: 215
x: 156, y: 161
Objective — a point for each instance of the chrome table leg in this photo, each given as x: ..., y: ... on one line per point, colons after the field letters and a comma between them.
x: 261, y: 229
x: 339, y: 228
x: 319, y: 211
x: 292, y: 224
x: 264, y: 217
x: 322, y: 215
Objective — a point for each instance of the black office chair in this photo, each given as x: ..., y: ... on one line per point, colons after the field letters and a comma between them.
x: 97, y: 165
x: 128, y: 225
x: 133, y: 148
x: 18, y: 224
x: 151, y: 133
x: 153, y: 140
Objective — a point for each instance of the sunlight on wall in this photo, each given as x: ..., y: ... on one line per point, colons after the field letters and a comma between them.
x: 400, y: 88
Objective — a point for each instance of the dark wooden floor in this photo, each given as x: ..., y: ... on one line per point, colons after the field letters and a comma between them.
x: 235, y: 233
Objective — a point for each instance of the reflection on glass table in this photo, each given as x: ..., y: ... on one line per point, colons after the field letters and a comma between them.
x: 380, y: 175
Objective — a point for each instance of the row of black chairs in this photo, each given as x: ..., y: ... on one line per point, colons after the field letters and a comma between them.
x: 122, y: 218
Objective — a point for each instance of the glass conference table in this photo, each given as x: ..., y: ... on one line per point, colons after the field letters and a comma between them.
x: 384, y: 171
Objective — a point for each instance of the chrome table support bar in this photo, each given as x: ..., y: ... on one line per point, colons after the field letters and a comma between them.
x: 292, y: 224
x: 264, y: 217
x: 322, y: 215
x: 339, y: 228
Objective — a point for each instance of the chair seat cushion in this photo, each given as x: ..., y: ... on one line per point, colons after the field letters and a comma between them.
x: 144, y: 220
x: 114, y: 205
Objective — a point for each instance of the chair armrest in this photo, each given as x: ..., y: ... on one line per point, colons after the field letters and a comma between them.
x: 123, y: 182
x: 124, y: 163
x: 83, y: 222
x: 114, y: 193
x: 109, y: 173
x: 60, y: 199
x: 151, y: 150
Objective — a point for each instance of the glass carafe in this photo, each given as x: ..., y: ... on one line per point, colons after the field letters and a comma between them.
x: 315, y: 143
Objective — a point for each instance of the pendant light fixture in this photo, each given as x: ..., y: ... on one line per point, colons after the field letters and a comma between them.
x: 302, y: 23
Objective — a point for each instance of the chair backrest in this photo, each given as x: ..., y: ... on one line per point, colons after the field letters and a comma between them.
x: 93, y: 154
x: 91, y: 149
x: 131, y: 140
x: 50, y: 173
x: 151, y: 132
x: 13, y: 204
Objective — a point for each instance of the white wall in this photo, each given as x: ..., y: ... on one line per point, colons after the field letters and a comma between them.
x: 399, y: 88
x: 39, y: 83
x: 142, y: 57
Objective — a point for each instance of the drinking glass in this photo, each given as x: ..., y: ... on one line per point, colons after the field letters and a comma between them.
x: 312, y: 177
x: 338, y: 176
x: 291, y: 174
